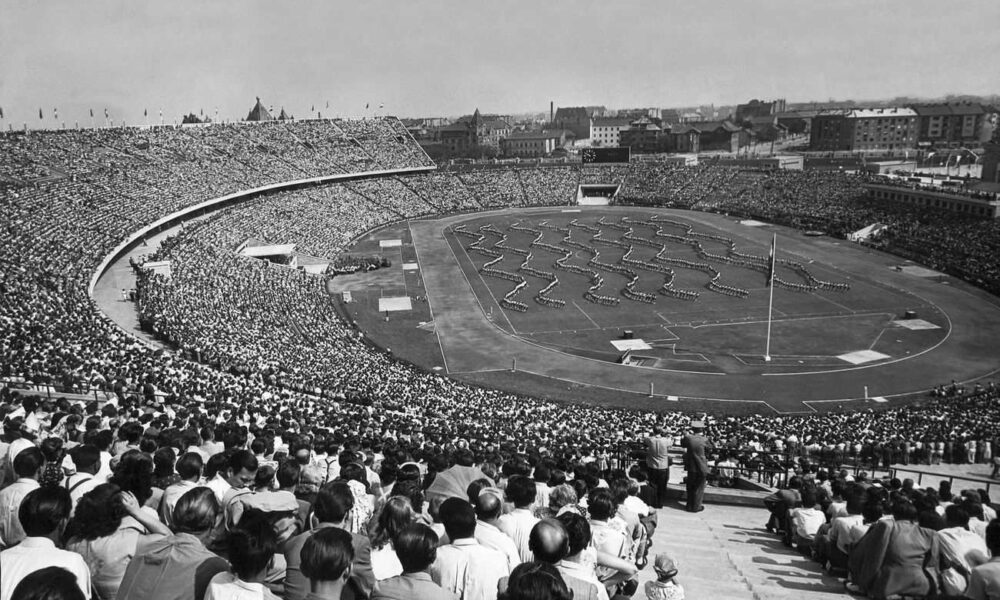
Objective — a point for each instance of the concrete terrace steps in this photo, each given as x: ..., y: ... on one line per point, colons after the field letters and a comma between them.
x: 724, y: 553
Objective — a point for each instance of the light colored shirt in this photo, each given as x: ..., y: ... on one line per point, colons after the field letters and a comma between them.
x: 840, y: 530
x: 385, y: 563
x: 959, y: 546
x: 79, y: 484
x: 657, y: 590
x: 984, y: 582
x: 33, y: 554
x: 807, y: 521
x: 469, y: 569
x: 11, y: 496
x: 491, y: 537
x: 169, y: 500
x: 227, y: 586
x: 517, y: 526
x: 108, y: 557
x: 219, y: 487
x: 582, y: 580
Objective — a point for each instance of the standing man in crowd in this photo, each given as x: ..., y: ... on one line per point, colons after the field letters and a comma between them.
x: 658, y: 462
x: 696, y: 465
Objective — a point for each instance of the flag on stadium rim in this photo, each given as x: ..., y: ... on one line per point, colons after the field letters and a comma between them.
x: 770, y: 262
x: 145, y: 112
x: 106, y: 113
x: 40, y: 114
x: 91, y: 113
x: 1, y: 112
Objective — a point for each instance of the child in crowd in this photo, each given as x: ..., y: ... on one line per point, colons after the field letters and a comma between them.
x: 664, y: 588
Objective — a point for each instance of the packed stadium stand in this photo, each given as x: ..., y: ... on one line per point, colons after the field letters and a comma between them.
x: 262, y: 363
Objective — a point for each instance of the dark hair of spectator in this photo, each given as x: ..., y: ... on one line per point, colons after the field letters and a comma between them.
x: 416, y: 547
x: 458, y: 518
x: 521, y: 491
x: 327, y: 554
x: 395, y: 516
x: 98, y: 514
x: 333, y: 502
x: 536, y: 581
x: 289, y: 473
x: 50, y: 583
x: 601, y: 505
x: 189, y: 465
x: 196, y: 511
x: 163, y: 462
x: 28, y: 462
x: 134, y: 473
x: 252, y: 545
x: 43, y: 509
x: 578, y: 530
x: 85, y: 456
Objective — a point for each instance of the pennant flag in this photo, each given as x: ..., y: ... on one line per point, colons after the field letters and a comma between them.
x: 366, y: 106
x: 201, y: 112
x: 55, y: 112
x: 770, y: 262
x: 328, y: 104
x: 40, y: 114
x: 1, y: 112
x: 313, y: 109
x: 381, y: 106
x: 145, y: 112
x: 91, y: 113
x: 106, y: 113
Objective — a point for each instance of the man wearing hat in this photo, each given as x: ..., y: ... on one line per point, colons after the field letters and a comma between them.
x: 696, y: 465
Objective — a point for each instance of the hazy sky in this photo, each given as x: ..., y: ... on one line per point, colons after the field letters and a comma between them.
x: 447, y: 57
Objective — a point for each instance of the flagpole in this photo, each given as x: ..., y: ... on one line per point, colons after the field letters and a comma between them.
x: 770, y: 301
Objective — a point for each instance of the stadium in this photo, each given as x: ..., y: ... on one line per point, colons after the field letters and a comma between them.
x: 328, y: 269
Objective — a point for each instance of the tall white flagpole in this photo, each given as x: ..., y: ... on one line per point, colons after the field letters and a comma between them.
x: 770, y: 301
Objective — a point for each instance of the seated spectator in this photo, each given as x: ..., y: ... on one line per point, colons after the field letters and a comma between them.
x: 489, y: 505
x: 106, y: 529
x: 464, y: 566
x: 189, y: 467
x: 569, y: 548
x: 961, y: 551
x: 44, y: 514
x: 805, y: 521
x: 517, y: 524
x: 331, y: 506
x: 416, y: 549
x: 665, y: 587
x: 326, y: 558
x: 895, y: 557
x: 50, y: 583
x: 396, y: 515
x: 537, y: 581
x: 87, y: 459
x: 984, y: 581
x: 28, y: 465
x: 180, y: 566
x: 251, y: 549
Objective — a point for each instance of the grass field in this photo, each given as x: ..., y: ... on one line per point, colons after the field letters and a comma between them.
x: 713, y: 332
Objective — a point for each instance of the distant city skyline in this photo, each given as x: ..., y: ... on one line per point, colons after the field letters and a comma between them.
x: 448, y: 57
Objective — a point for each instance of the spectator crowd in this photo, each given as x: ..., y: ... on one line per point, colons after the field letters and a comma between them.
x: 274, y: 420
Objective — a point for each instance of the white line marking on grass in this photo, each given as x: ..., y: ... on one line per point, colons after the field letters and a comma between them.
x: 586, y: 315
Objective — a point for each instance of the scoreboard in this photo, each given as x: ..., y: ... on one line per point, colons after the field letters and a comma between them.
x: 606, y: 155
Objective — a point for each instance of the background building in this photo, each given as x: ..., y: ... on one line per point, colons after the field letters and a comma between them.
x: 577, y: 119
x: 532, y: 144
x: 864, y: 130
x: 605, y: 131
x: 759, y: 108
x: 950, y: 125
